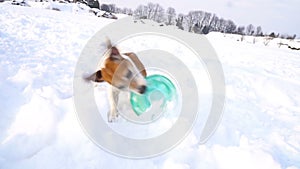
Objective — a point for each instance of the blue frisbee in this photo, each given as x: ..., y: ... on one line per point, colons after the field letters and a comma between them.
x: 141, y: 103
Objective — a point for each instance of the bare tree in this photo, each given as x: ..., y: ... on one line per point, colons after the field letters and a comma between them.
x: 259, y: 31
x: 272, y: 35
x: 179, y: 21
x: 230, y: 27
x: 197, y: 28
x: 189, y: 20
x: 112, y: 8
x: 241, y: 30
x: 150, y: 10
x: 195, y: 21
x: 292, y: 37
x: 250, y: 29
x: 127, y: 11
x: 203, y: 22
x: 222, y: 25
x: 287, y: 36
x: 213, y: 23
x: 158, y: 13
x: 118, y: 10
x: 171, y: 16
x: 105, y: 7
x: 205, y: 19
x: 141, y: 12
x: 192, y: 19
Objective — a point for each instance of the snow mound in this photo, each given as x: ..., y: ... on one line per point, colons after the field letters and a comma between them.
x: 39, y: 129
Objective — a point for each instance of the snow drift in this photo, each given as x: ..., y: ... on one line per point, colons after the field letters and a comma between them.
x: 39, y: 129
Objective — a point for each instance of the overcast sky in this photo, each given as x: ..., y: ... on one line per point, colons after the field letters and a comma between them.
x: 282, y: 16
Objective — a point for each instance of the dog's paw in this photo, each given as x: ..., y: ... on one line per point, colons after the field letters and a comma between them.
x: 112, y: 116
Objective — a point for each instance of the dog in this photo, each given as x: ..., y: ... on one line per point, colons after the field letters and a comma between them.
x: 124, y: 72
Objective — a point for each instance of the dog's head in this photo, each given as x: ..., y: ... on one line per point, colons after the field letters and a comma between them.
x: 123, y: 71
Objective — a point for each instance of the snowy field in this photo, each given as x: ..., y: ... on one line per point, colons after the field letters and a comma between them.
x: 39, y: 49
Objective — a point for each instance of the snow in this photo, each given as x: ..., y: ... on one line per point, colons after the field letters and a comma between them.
x: 38, y: 126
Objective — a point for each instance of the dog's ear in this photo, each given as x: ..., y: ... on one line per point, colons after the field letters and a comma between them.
x: 96, y: 77
x: 99, y: 77
x: 115, y: 54
x: 115, y: 51
x: 137, y: 63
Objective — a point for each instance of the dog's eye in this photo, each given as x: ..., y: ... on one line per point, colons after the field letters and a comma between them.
x: 129, y: 74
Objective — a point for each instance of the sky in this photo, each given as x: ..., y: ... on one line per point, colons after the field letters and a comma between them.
x: 280, y: 16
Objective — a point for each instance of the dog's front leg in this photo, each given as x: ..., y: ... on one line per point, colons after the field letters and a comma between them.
x: 113, y: 101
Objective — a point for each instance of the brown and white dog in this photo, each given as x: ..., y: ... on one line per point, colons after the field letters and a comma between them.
x: 123, y: 71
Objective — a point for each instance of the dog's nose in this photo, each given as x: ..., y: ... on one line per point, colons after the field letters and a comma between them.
x: 142, y: 89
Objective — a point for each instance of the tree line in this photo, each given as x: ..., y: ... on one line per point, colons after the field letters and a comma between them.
x: 197, y: 21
